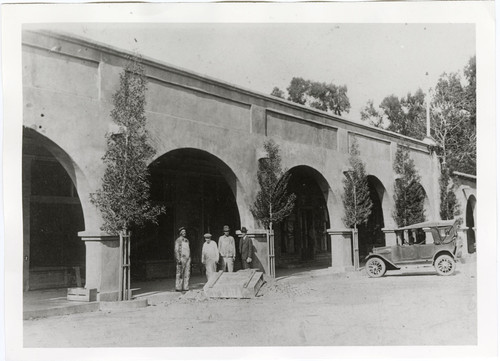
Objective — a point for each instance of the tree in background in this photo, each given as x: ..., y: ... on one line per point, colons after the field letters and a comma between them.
x: 273, y: 202
x: 453, y: 127
x: 405, y: 116
x: 372, y: 116
x: 277, y: 92
x: 409, y: 195
x: 123, y: 199
x: 356, y: 197
x: 327, y: 97
x: 470, y: 89
x: 453, y: 117
x: 453, y: 122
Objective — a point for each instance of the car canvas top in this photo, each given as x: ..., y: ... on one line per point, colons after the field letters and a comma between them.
x: 428, y: 224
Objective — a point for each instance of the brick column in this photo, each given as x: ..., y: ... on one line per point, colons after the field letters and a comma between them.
x: 341, y: 245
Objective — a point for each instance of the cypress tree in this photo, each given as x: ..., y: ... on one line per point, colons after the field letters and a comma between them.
x: 356, y: 197
x: 123, y: 198
x: 409, y: 196
x: 273, y: 202
x: 449, y: 203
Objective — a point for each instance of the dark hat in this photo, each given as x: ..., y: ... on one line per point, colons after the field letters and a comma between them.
x: 207, y: 235
x: 226, y: 229
x: 180, y: 229
x: 243, y: 230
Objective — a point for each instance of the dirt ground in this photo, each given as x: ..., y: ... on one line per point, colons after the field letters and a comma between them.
x: 304, y: 308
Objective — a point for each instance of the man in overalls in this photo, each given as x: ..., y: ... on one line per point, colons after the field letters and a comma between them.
x: 183, y: 259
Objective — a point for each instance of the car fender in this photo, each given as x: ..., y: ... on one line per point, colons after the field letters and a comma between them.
x: 390, y: 263
x: 444, y: 251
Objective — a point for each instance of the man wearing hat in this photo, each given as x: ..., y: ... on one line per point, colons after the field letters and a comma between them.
x: 209, y: 256
x: 183, y: 259
x: 246, y: 249
x: 227, y: 250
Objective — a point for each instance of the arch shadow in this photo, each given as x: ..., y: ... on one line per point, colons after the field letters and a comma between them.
x: 77, y: 176
x: 470, y: 223
x: 53, y: 215
x: 200, y: 192
x: 371, y: 235
x: 302, y: 238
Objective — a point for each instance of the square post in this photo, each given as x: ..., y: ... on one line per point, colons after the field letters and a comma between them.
x: 341, y: 247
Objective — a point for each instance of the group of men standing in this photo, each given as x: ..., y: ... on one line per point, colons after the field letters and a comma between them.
x: 223, y: 252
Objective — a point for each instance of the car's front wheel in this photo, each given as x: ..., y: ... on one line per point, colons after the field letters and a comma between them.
x: 445, y: 265
x: 375, y: 267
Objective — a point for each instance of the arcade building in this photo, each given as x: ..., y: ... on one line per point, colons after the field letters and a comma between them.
x: 208, y: 137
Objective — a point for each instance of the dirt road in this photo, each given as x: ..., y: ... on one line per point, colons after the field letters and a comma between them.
x: 310, y: 308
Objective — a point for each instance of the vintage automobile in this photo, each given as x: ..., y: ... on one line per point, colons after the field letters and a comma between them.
x: 433, y: 243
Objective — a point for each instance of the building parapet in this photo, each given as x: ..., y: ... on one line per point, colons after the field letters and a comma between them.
x: 329, y: 120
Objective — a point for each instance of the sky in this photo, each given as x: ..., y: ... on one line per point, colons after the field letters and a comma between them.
x: 372, y: 60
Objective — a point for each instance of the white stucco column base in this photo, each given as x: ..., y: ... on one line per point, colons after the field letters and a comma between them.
x: 102, y: 261
x: 341, y: 245
x: 261, y: 253
x: 390, y: 237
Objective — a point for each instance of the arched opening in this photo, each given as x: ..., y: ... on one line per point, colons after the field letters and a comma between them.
x: 302, y: 238
x: 471, y: 224
x: 370, y: 234
x: 198, y: 191
x: 54, y: 255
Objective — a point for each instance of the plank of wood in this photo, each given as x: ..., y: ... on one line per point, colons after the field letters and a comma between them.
x: 212, y: 282
x: 249, y: 279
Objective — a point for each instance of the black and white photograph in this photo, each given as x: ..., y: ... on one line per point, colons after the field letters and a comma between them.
x: 200, y: 181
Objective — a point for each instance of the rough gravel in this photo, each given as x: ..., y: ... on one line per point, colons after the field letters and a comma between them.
x: 301, y: 308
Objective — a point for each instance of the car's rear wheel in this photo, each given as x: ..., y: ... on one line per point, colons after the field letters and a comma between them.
x: 444, y: 265
x: 375, y: 267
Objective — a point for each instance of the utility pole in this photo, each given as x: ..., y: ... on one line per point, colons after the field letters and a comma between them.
x: 428, y: 106
x: 428, y: 139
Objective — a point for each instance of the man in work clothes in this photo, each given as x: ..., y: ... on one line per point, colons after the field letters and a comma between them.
x: 209, y: 256
x: 183, y: 259
x: 246, y: 249
x: 227, y: 250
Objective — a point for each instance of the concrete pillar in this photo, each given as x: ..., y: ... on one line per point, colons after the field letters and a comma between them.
x: 343, y: 141
x: 393, y: 151
x: 341, y: 245
x: 436, y: 191
x: 390, y: 237
x: 258, y: 123
x: 261, y: 252
x: 102, y: 264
